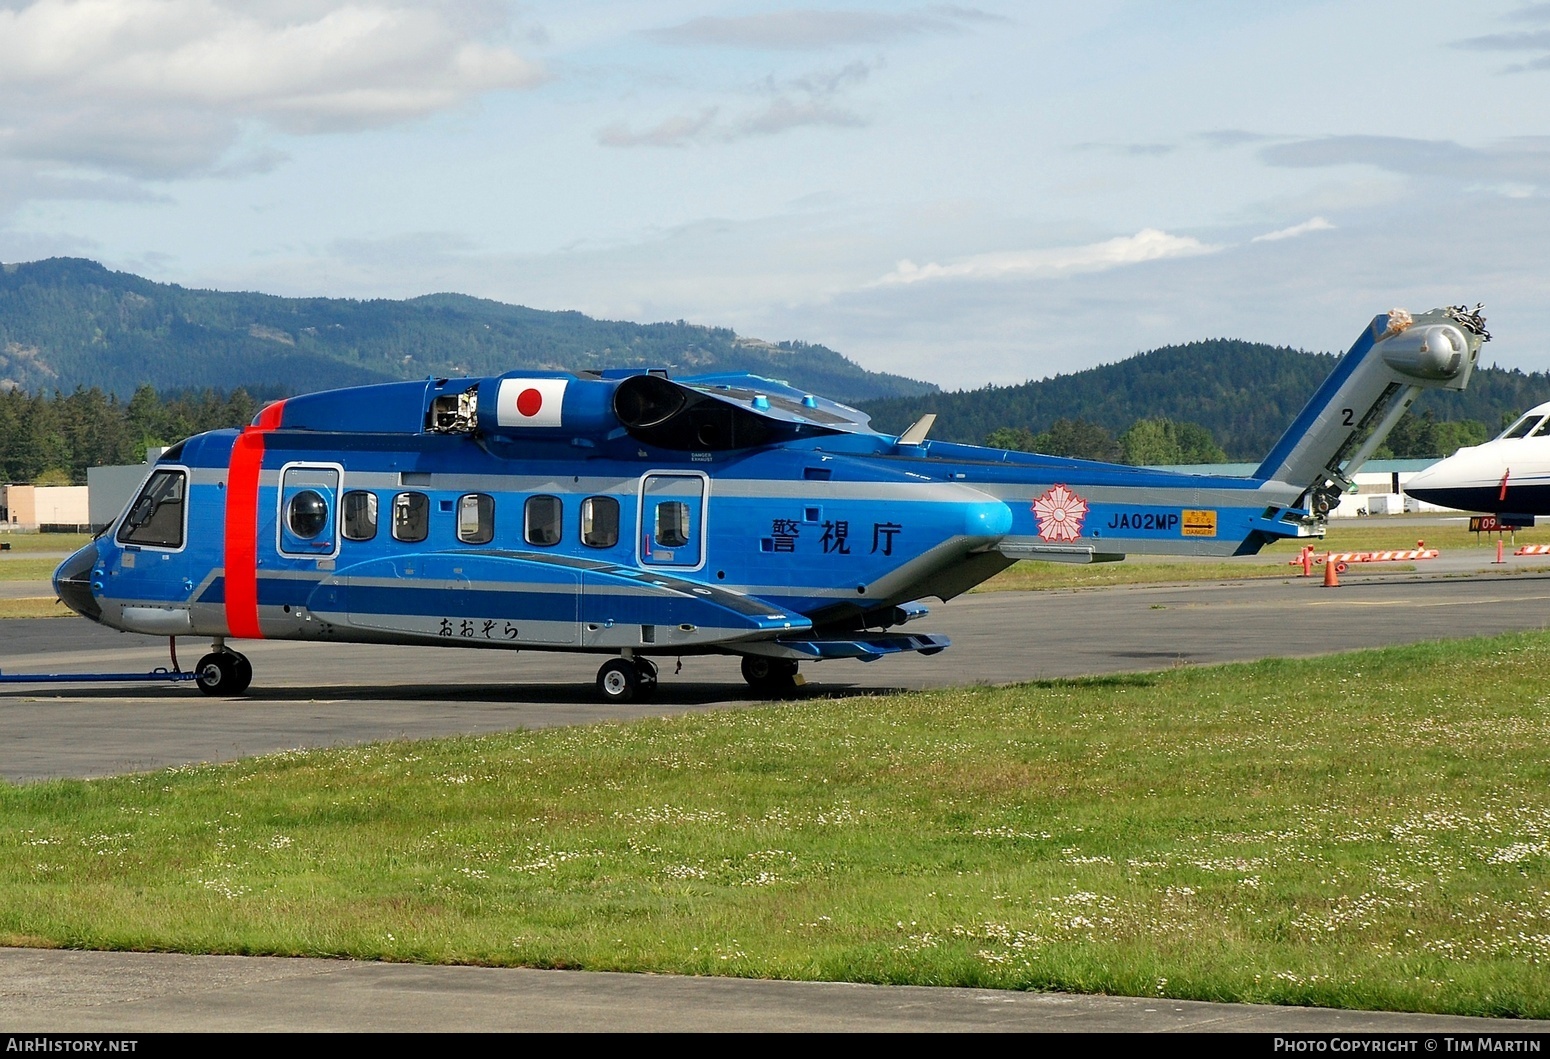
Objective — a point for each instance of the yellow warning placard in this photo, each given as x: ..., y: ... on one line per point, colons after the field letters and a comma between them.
x: 1199, y: 523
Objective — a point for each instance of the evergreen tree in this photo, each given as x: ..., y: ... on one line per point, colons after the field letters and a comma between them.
x: 1078, y: 438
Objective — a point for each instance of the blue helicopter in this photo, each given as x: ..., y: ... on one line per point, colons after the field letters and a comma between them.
x: 635, y: 515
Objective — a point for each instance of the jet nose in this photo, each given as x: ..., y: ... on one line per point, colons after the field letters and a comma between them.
x: 72, y: 583
x: 1425, y: 484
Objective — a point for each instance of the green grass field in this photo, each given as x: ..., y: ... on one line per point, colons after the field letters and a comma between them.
x: 23, y: 543
x: 1368, y: 831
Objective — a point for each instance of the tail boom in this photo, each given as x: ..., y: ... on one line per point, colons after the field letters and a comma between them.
x: 1391, y: 363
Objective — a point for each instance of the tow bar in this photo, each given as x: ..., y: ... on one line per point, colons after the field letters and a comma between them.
x: 161, y: 673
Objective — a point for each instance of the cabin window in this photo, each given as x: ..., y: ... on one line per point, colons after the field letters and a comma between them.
x: 156, y: 516
x: 600, y: 522
x: 672, y: 524
x: 307, y: 514
x: 476, y: 518
x: 360, y: 515
x: 411, y: 517
x: 541, y: 520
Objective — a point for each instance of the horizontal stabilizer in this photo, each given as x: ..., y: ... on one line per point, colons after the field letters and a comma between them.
x: 1056, y: 553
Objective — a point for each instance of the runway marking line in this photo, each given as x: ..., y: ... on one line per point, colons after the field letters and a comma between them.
x: 1415, y: 603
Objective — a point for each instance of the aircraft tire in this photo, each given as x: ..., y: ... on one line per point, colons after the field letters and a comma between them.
x: 244, y: 674
x: 646, y: 671
x: 618, y: 681
x: 223, y: 673
x: 770, y: 676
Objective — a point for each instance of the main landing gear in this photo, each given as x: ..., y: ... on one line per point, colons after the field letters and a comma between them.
x: 222, y: 671
x: 770, y: 676
x: 627, y: 679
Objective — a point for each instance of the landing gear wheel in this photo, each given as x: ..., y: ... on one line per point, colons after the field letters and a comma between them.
x: 770, y: 676
x: 244, y: 673
x: 618, y: 681
x: 646, y: 672
x: 223, y: 673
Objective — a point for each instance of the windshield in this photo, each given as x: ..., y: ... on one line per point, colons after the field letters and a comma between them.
x: 156, y: 516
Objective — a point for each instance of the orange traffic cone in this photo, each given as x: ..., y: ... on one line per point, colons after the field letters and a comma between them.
x: 1330, y: 580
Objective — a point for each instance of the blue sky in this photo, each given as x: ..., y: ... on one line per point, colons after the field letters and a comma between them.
x: 963, y: 193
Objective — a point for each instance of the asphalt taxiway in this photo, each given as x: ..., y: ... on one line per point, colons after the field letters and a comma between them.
x: 309, y: 695
x: 315, y: 695
x: 126, y: 992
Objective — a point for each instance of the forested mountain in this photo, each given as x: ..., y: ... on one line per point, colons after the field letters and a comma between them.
x: 67, y: 322
x: 1245, y: 393
x: 95, y: 337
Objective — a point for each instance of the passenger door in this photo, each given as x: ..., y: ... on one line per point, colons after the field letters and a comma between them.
x: 671, y: 530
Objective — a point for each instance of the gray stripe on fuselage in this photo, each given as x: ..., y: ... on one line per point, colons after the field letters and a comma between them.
x: 924, y: 491
x: 1266, y: 494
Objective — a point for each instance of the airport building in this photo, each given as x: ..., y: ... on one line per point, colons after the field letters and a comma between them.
x: 73, y: 508
x: 46, y: 508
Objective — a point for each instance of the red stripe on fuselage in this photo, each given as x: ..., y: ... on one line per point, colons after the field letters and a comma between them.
x: 247, y: 464
x: 269, y: 418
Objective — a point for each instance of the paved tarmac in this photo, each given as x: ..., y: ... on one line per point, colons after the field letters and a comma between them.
x: 315, y: 695
x: 44, y: 991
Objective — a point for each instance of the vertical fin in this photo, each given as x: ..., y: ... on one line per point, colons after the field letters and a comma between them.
x: 1386, y: 369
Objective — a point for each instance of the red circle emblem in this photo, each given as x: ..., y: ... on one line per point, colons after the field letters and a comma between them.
x: 529, y: 401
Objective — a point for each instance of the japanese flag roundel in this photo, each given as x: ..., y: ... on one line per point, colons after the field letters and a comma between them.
x: 530, y: 402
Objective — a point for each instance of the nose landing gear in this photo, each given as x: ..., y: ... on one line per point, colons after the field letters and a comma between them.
x: 223, y: 672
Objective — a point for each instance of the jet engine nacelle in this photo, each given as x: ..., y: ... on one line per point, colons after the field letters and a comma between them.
x: 1437, y: 353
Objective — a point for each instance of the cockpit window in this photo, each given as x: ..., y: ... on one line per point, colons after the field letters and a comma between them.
x: 1521, y: 428
x: 156, y: 516
x: 1543, y: 430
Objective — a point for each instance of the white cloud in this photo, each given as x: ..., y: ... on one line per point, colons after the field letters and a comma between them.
x: 1507, y: 189
x: 161, y: 88
x: 677, y: 131
x: 1317, y: 224
x: 808, y: 100
x: 1149, y: 244
x: 809, y: 30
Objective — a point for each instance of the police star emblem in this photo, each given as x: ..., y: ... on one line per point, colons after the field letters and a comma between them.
x: 1060, y: 513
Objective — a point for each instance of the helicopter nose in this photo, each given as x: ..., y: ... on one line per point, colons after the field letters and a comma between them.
x: 72, y: 583
x: 987, y: 519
